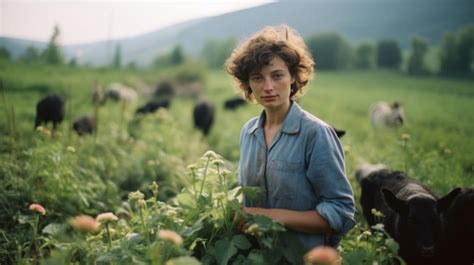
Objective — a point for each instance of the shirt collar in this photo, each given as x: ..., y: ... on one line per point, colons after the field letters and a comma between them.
x: 291, y: 124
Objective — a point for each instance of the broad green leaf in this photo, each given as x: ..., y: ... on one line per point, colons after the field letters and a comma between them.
x: 25, y: 219
x: 355, y: 257
x: 224, y: 251
x: 134, y: 239
x: 53, y: 229
x: 186, y: 200
x: 255, y: 257
x: 392, y: 245
x: 250, y: 192
x: 241, y: 242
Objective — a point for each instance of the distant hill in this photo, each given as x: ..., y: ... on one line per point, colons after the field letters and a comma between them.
x: 17, y: 47
x: 357, y: 20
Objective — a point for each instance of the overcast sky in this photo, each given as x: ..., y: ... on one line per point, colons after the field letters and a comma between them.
x: 83, y: 21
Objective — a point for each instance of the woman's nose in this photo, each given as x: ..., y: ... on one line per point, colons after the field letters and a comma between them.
x: 267, y: 85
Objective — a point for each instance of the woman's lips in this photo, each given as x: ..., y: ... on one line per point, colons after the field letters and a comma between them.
x: 269, y: 98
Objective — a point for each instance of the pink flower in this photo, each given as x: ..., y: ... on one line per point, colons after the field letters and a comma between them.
x: 84, y: 223
x: 106, y: 217
x: 323, y: 255
x: 37, y: 208
x: 171, y: 236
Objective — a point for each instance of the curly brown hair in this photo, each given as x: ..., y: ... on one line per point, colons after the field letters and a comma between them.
x: 255, y: 53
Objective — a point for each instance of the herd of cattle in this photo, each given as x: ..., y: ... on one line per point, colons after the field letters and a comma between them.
x: 429, y: 229
x: 50, y: 109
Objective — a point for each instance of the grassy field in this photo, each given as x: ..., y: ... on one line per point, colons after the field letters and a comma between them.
x: 72, y: 175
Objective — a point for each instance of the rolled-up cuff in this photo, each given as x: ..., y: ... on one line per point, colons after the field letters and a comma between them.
x: 340, y: 222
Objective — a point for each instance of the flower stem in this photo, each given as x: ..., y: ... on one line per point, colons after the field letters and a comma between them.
x: 35, y: 229
x: 108, y: 234
x: 194, y: 182
x: 204, y: 176
x: 147, y: 236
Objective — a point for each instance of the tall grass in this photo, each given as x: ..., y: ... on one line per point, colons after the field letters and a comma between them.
x: 73, y: 175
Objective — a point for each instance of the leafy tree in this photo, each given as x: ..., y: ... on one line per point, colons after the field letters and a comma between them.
x: 52, y: 54
x: 132, y: 65
x: 31, y: 55
x: 457, y: 52
x: 330, y: 50
x: 365, y: 56
x: 215, y: 52
x: 448, y: 54
x: 190, y: 72
x: 73, y: 62
x: 466, y: 49
x: 173, y: 58
x: 389, y: 54
x: 177, y: 56
x: 416, y: 61
x: 117, y: 63
x: 162, y: 61
x: 4, y: 54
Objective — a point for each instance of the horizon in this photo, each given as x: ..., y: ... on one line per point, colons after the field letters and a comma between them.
x: 88, y: 21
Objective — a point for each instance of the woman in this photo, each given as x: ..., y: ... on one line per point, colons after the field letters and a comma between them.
x: 293, y: 156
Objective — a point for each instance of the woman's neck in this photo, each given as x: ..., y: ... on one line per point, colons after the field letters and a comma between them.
x: 275, y: 117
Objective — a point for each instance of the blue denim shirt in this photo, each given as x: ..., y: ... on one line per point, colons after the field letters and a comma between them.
x: 302, y: 170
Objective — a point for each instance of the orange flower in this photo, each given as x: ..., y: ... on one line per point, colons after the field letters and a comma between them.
x: 37, y: 208
x: 84, y: 223
x: 322, y: 255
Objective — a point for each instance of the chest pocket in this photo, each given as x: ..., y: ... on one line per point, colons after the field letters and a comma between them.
x: 284, y: 179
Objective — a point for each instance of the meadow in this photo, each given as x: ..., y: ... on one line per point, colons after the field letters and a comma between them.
x: 190, y: 191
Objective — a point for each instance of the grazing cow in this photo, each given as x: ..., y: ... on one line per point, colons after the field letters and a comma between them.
x: 50, y: 109
x: 84, y: 125
x: 152, y: 106
x: 165, y: 89
x: 411, y: 211
x: 203, y: 114
x: 234, y: 103
x: 364, y: 169
x: 455, y: 246
x: 119, y: 92
x: 383, y: 114
x: 98, y: 97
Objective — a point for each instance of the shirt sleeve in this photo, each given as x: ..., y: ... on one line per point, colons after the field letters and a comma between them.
x: 326, y: 172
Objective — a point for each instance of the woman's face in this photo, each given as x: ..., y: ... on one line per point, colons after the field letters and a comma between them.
x: 271, y: 86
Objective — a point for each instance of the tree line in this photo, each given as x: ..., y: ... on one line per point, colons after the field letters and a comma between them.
x: 330, y: 50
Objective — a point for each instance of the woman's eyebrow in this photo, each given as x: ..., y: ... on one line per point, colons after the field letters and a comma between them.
x: 277, y: 71
x: 254, y: 74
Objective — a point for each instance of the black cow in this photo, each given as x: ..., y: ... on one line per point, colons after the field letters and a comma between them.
x: 234, y: 103
x: 411, y: 212
x: 203, y: 114
x: 84, y: 125
x: 339, y: 132
x: 50, y: 109
x: 152, y: 106
x: 457, y: 239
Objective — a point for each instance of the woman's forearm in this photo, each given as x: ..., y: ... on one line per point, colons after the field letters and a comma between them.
x: 301, y: 221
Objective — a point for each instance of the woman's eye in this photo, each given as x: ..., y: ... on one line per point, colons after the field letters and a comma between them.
x: 255, y: 78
